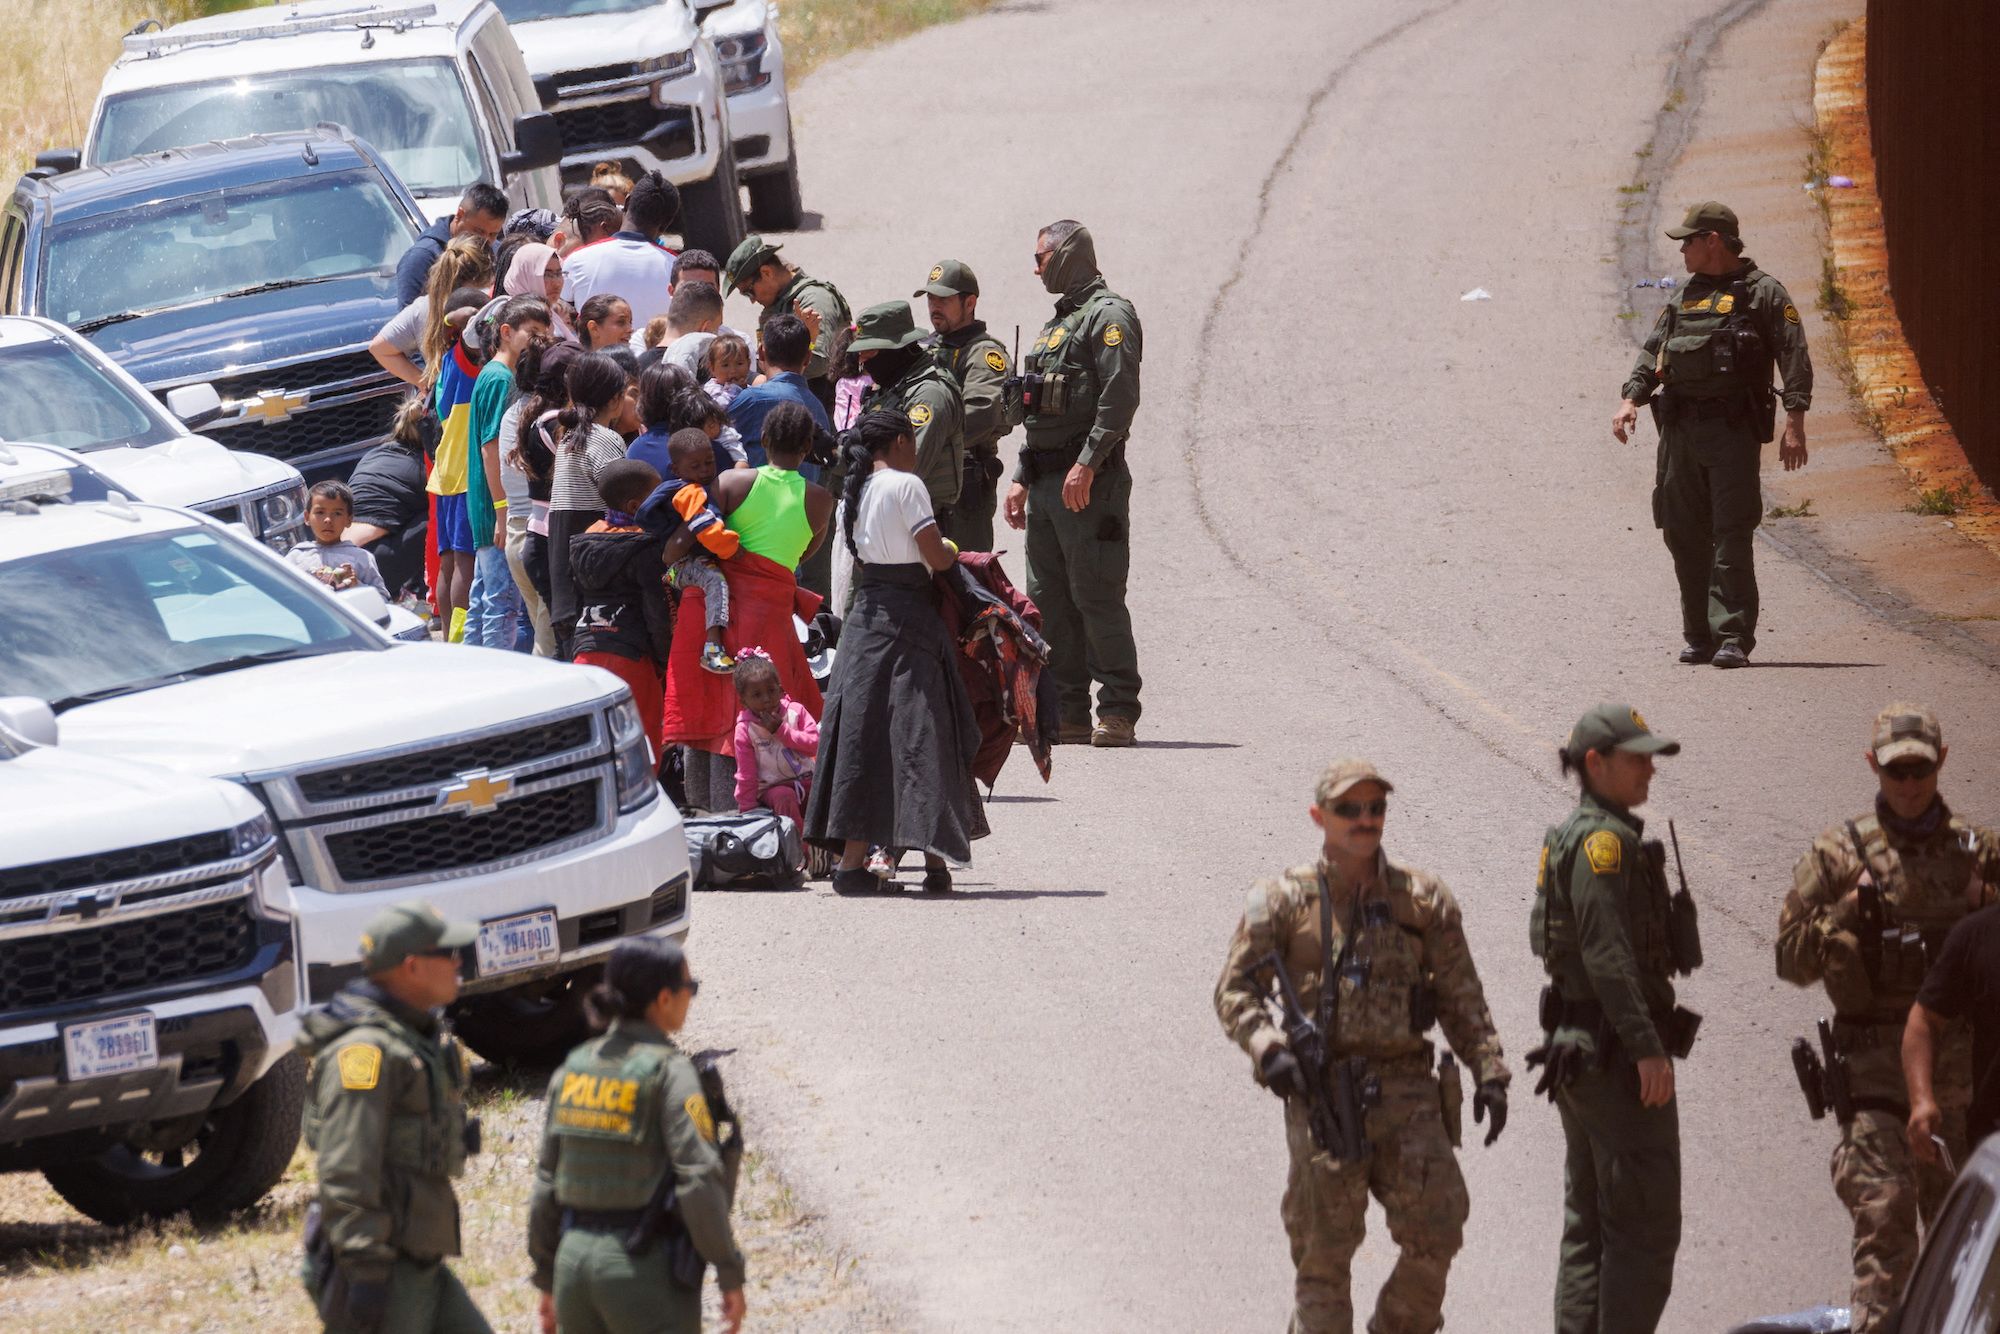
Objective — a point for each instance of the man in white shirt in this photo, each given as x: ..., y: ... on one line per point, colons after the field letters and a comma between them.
x: 631, y: 264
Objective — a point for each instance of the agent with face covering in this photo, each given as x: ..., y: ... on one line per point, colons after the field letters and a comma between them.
x: 1072, y: 491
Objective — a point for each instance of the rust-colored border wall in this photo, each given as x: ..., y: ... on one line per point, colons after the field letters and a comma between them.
x: 1934, y: 113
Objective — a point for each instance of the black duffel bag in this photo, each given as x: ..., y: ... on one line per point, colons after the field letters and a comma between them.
x: 756, y: 849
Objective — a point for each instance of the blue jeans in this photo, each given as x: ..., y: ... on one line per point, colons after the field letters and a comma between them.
x: 494, y: 611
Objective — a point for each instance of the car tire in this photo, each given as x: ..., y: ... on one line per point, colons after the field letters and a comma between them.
x: 712, y: 210
x: 531, y: 1025
x: 775, y: 204
x: 240, y: 1151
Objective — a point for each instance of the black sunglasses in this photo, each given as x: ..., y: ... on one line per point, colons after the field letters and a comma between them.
x: 1042, y: 257
x: 694, y: 986
x: 1352, y: 810
x: 1913, y: 772
x: 451, y: 954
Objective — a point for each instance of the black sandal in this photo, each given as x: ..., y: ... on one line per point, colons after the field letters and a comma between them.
x: 937, y: 880
x: 856, y: 882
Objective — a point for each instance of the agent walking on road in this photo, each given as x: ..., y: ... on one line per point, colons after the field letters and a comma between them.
x: 633, y: 1189
x: 1602, y: 927
x: 1394, y: 939
x: 1711, y: 354
x: 387, y: 1118
x: 1870, y: 906
x: 1072, y: 491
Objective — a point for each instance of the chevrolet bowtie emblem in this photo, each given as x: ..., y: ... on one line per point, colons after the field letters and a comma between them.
x: 476, y: 792
x: 274, y: 405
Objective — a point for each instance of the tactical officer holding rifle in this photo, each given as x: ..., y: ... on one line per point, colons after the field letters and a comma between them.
x: 1711, y: 355
x: 1612, y: 937
x: 1871, y: 903
x: 1366, y: 1112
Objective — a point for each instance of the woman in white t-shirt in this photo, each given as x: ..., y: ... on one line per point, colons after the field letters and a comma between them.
x: 898, y: 734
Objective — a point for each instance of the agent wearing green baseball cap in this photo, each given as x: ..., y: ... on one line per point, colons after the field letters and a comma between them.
x: 909, y: 380
x: 1706, y: 371
x: 1602, y: 928
x: 387, y: 1118
x: 978, y: 363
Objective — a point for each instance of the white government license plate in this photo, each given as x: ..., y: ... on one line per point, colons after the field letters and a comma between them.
x: 522, y: 941
x: 111, y: 1046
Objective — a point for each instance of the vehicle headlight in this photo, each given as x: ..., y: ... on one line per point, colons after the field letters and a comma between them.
x: 251, y: 835
x: 281, y: 510
x: 632, y: 757
x: 741, y: 56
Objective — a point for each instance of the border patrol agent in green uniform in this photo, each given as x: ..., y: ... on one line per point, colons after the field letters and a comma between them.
x: 633, y: 1190
x: 908, y: 380
x: 1077, y: 395
x: 1711, y: 354
x: 978, y: 361
x: 1605, y: 928
x: 387, y: 1118
x: 755, y: 270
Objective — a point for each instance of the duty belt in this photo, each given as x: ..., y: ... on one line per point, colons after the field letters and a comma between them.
x: 601, y: 1220
x: 1687, y: 405
x: 1861, y: 1032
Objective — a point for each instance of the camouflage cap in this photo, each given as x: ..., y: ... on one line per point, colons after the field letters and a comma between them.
x: 1343, y: 775
x: 884, y: 328
x: 395, y: 934
x: 1708, y: 216
x: 952, y: 277
x: 1617, y: 727
x: 1907, y: 731
x: 744, y: 261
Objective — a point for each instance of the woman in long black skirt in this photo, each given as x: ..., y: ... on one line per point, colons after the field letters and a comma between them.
x: 898, y: 735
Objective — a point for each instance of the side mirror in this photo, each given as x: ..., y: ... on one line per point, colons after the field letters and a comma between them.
x: 60, y: 159
x: 537, y: 143
x: 366, y: 603
x: 195, y: 404
x: 26, y: 721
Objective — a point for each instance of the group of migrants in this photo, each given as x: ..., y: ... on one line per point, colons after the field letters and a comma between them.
x: 593, y: 466
x: 1339, y: 969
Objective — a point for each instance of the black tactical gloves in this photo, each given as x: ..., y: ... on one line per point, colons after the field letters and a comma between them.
x: 1281, y: 1073
x: 1491, y: 1098
x: 1563, y: 1059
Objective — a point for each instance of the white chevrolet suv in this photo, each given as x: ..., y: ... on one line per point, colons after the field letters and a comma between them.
x: 150, y: 987
x: 505, y: 789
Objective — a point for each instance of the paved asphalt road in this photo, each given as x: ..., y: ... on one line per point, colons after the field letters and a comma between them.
x: 1369, y: 518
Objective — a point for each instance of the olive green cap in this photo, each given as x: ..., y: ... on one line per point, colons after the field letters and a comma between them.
x: 395, y: 934
x: 1343, y: 775
x: 1707, y: 216
x: 1907, y: 731
x: 884, y: 328
x: 951, y: 278
x: 744, y: 261
x: 1617, y: 727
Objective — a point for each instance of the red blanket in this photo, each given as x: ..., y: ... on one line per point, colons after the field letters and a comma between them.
x: 763, y: 596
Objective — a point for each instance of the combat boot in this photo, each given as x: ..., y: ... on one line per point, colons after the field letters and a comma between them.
x: 1696, y: 654
x: 1113, y: 731
x: 1075, y: 734
x: 1731, y: 655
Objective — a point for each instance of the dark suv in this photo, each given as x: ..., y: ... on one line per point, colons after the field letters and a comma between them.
x: 260, y: 265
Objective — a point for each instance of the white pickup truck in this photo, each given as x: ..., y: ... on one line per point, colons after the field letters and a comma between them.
x: 513, y: 791
x: 151, y: 982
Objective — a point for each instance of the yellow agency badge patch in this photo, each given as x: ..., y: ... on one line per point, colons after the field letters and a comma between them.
x: 697, y: 1110
x: 360, y: 1065
x: 920, y: 416
x: 937, y: 272
x: 1702, y: 304
x: 1056, y: 335
x: 1792, y: 314
x: 1113, y: 336
x: 1542, y: 871
x: 997, y: 360
x: 1725, y: 303
x: 1605, y: 852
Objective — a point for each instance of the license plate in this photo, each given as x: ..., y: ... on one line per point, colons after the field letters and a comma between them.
x: 522, y: 941
x: 111, y: 1046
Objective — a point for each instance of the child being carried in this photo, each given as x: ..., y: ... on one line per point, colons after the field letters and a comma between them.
x: 683, y: 499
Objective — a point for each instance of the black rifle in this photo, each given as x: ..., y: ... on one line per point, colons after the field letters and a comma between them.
x: 1823, y: 1079
x: 1683, y: 920
x: 1338, y: 1092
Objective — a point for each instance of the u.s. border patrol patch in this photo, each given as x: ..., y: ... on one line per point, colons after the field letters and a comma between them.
x: 697, y: 1110
x: 360, y: 1066
x: 1792, y: 313
x: 1725, y: 303
x: 1113, y: 336
x: 937, y: 272
x: 1639, y: 721
x: 997, y: 360
x: 920, y: 415
x: 1542, y: 871
x: 1605, y: 851
x: 1056, y: 335
x: 1702, y: 304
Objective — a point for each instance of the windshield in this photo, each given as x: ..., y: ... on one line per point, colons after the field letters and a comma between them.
x: 176, y: 252
x: 414, y: 112
x: 92, y: 622
x: 52, y: 394
x: 526, y: 11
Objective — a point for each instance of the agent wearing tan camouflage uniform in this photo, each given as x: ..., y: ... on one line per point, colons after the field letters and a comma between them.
x: 1409, y: 965
x: 1870, y: 905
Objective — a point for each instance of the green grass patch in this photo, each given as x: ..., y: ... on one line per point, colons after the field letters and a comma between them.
x: 1942, y: 500
x: 1802, y: 510
x: 816, y: 31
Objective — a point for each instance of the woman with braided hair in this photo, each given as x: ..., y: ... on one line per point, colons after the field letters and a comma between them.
x: 587, y: 442
x: 898, y: 733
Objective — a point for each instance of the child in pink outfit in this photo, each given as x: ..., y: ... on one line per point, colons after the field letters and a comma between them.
x: 776, y: 740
